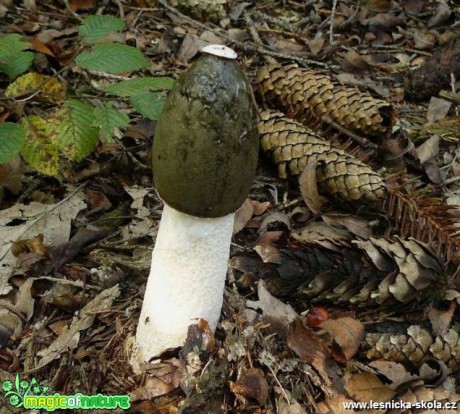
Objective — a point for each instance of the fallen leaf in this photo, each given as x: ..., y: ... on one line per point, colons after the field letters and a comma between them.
x: 414, y: 6
x: 271, y: 306
x: 164, y: 378
x: 347, y: 333
x: 287, y: 407
x: 442, y: 14
x: 309, y: 188
x: 335, y: 405
x: 365, y: 387
x: 26, y: 221
x: 260, y: 208
x: 40, y: 47
x: 428, y: 150
x: 11, y: 175
x: 424, y: 40
x: 69, y: 338
x: 307, y: 345
x: 65, y: 252
x: 76, y: 5
x: 357, y: 225
x: 252, y: 384
x: 354, y: 63
x: 437, y: 109
x: 394, y: 371
x: 243, y: 215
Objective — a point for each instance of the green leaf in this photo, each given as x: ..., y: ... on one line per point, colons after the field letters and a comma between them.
x: 109, y: 120
x: 77, y: 136
x: 149, y: 104
x: 12, y: 137
x: 95, y: 28
x: 112, y: 58
x: 13, y: 59
x: 40, y: 149
x: 136, y: 85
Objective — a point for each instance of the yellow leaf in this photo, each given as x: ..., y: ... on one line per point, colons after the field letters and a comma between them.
x: 46, y: 88
x: 40, y: 149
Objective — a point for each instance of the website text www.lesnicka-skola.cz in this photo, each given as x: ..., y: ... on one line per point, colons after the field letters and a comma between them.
x: 400, y: 405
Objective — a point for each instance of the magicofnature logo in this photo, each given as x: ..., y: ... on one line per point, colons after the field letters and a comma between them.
x: 32, y: 395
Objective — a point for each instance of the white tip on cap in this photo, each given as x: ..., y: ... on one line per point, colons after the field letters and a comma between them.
x: 219, y: 50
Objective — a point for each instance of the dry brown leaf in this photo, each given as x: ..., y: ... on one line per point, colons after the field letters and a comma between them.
x: 356, y: 225
x: 76, y: 5
x: 429, y: 150
x: 354, y: 63
x: 70, y: 337
x: 309, y: 188
x: 424, y: 40
x: 272, y: 307
x: 316, y: 45
x: 275, y: 219
x: 252, y: 384
x: 307, y: 345
x: 437, y: 109
x: 165, y: 378
x: 347, y: 334
x: 53, y: 220
x: 40, y: 47
x: 190, y: 46
x: 442, y: 14
x: 323, y: 234
x: 268, y: 253
x: 365, y: 387
x: 11, y: 175
x: 243, y: 215
x: 414, y: 6
x: 335, y: 405
x: 260, y: 208
x: 286, y: 404
x: 394, y: 371
x: 24, y: 301
x: 11, y: 325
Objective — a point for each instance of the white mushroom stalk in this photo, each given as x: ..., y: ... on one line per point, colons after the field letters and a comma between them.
x: 177, y: 303
x: 204, y: 160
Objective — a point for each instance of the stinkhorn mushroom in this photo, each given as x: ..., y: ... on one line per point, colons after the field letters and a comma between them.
x: 204, y: 159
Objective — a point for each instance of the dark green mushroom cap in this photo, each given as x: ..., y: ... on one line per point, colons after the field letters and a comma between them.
x: 206, y: 142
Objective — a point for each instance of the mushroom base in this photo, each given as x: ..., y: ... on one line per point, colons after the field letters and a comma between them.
x: 186, y: 281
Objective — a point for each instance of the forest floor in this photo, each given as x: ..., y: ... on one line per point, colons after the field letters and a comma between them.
x: 332, y: 298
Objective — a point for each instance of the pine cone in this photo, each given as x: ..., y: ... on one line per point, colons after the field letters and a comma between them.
x: 339, y: 175
x: 416, y: 344
x: 429, y: 398
x: 377, y: 273
x: 433, y: 75
x: 314, y: 96
x: 400, y: 272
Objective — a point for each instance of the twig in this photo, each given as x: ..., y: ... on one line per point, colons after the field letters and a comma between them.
x: 331, y: 22
x: 120, y: 8
x: 355, y: 137
x: 252, y: 29
x: 73, y: 13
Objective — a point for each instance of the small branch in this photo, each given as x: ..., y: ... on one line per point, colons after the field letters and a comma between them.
x: 120, y: 9
x: 73, y: 13
x: 355, y: 137
x: 331, y: 22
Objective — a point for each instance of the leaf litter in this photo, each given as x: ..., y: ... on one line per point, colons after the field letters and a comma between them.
x: 388, y: 328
